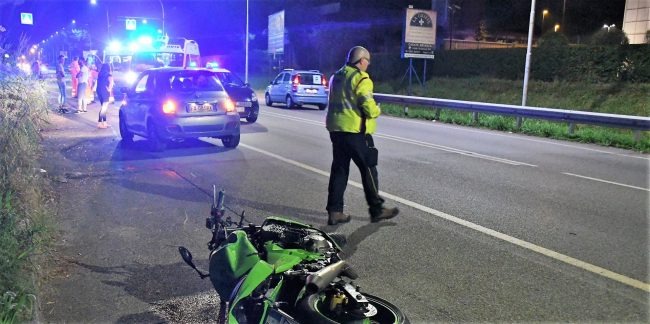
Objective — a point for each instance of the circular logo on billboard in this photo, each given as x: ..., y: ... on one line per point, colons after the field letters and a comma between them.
x: 421, y: 19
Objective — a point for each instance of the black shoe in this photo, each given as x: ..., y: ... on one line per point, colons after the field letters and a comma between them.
x: 386, y: 213
x: 337, y: 217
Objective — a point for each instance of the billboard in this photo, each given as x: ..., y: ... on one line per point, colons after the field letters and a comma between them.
x: 419, y: 34
x: 276, y: 33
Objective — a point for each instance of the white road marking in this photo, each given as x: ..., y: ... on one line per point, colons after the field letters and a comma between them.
x: 521, y: 243
x: 418, y: 143
x: 605, y: 181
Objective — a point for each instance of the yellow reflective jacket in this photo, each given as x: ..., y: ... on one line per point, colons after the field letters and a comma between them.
x: 350, y: 100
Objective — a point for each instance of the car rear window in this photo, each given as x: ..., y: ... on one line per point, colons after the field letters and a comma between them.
x: 230, y: 79
x: 311, y: 78
x: 186, y: 81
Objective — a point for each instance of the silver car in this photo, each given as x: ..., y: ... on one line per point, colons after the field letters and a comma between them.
x: 174, y: 103
x: 295, y: 88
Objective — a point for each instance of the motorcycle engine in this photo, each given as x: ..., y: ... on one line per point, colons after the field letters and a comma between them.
x: 317, y: 243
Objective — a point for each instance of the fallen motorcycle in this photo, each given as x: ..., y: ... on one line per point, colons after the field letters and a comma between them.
x: 284, y: 271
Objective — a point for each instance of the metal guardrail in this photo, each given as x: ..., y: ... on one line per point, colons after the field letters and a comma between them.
x: 570, y: 116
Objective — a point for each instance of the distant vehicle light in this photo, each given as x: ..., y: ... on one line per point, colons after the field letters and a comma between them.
x: 145, y: 40
x: 115, y: 46
x: 134, y: 47
x: 130, y: 77
x: 169, y: 107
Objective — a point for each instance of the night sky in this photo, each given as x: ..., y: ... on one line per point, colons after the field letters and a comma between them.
x: 218, y: 24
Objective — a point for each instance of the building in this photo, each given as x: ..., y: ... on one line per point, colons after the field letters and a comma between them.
x: 636, y: 21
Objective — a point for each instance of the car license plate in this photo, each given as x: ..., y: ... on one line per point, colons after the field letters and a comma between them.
x: 244, y: 104
x: 194, y: 107
x: 311, y: 90
x: 241, y: 109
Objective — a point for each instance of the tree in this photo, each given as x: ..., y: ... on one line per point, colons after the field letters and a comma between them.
x: 609, y: 36
x: 481, y: 31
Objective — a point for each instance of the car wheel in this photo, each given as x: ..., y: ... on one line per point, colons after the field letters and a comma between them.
x: 267, y: 98
x: 231, y: 141
x: 322, y: 106
x: 289, y: 102
x: 251, y: 118
x: 127, y: 136
x: 156, y: 143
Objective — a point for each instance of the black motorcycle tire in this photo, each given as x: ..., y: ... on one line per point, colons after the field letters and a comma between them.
x: 222, y: 318
x: 310, y: 310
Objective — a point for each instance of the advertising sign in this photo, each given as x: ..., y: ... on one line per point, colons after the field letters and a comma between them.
x: 419, y: 34
x: 276, y: 33
x: 26, y: 18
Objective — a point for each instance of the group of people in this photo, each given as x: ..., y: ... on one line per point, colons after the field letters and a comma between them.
x: 86, y: 81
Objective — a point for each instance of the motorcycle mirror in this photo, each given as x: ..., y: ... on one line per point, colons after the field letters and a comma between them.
x: 186, y: 255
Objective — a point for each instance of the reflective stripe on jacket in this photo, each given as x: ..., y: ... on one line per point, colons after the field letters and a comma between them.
x: 350, y: 100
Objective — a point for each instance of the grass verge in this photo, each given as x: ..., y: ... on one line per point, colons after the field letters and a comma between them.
x: 619, y: 98
x: 23, y: 216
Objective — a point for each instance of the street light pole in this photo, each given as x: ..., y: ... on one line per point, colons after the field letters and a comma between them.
x: 163, y: 17
x: 528, y: 54
x: 246, y: 65
x: 563, y: 10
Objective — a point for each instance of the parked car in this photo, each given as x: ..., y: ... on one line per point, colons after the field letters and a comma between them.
x: 298, y: 87
x: 174, y: 104
x: 241, y: 93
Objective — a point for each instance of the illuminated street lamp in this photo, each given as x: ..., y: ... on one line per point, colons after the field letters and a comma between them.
x: 609, y: 27
x: 74, y: 21
x: 557, y: 27
x: 544, y: 13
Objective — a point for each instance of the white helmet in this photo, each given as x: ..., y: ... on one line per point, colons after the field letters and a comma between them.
x: 357, y: 53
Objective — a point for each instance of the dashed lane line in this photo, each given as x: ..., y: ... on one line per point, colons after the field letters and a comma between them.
x: 487, y: 231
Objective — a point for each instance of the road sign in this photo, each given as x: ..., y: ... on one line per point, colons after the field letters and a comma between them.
x: 419, y: 35
x: 130, y: 24
x: 26, y: 18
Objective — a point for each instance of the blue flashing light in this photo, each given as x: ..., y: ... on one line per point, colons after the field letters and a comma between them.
x: 193, y: 64
x: 212, y: 65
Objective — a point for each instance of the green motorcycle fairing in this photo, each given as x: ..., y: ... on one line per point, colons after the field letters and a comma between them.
x: 230, y: 262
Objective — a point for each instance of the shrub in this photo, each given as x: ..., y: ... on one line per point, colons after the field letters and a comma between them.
x: 23, y: 107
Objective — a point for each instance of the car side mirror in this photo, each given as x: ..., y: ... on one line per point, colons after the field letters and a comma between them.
x: 272, y: 82
x: 247, y: 84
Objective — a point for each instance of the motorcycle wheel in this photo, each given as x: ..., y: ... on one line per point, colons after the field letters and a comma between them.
x: 222, y: 318
x: 315, y: 311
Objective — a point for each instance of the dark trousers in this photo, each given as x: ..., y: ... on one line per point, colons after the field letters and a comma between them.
x: 355, y: 147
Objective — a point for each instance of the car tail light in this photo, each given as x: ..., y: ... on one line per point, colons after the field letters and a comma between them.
x: 229, y: 105
x: 169, y: 107
x: 295, y: 83
x: 324, y: 80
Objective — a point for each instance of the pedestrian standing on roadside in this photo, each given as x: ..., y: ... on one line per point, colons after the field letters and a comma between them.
x: 104, y: 88
x: 74, y: 70
x: 36, y: 70
x: 60, y: 81
x: 82, y: 78
x: 351, y: 119
x: 92, y: 80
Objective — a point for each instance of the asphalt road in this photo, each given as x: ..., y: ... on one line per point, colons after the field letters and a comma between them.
x: 493, y: 226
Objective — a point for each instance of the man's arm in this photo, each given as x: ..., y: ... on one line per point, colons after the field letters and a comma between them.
x: 365, y: 100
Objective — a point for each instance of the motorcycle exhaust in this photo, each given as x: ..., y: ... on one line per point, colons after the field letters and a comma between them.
x: 319, y: 280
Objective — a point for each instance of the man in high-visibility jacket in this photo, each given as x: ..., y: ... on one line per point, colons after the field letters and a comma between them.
x: 74, y: 70
x: 351, y: 119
